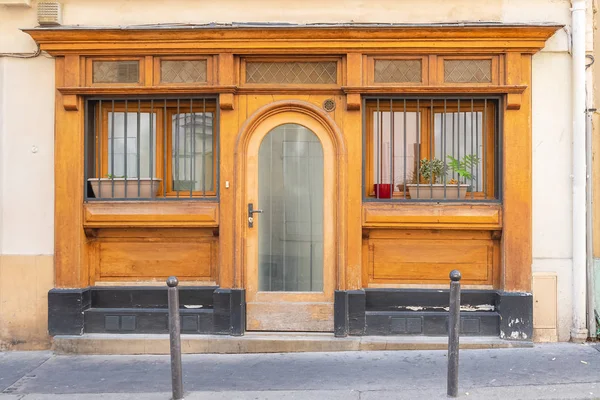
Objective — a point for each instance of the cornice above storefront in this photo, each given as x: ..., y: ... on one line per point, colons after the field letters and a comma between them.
x: 289, y: 38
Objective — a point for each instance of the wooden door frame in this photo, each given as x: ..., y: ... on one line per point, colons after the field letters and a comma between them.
x: 337, y: 139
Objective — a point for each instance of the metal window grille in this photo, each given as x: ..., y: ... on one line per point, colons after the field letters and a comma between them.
x: 432, y: 149
x: 151, y: 149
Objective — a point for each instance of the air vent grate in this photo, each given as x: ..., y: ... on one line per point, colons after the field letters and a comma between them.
x: 49, y: 12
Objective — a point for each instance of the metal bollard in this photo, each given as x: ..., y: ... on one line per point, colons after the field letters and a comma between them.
x: 175, y: 338
x: 453, y: 333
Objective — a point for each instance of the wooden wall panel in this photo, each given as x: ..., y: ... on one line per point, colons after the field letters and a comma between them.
x: 143, y: 259
x: 517, y: 192
x: 70, y: 261
x: 427, y: 257
x: 442, y: 216
x: 154, y: 254
x: 228, y: 128
x: 191, y: 214
x: 351, y: 123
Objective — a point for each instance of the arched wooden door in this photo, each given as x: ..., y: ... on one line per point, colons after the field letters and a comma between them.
x: 290, y: 246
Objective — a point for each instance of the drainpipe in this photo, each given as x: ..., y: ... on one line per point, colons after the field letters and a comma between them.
x: 578, y: 329
x: 589, y: 127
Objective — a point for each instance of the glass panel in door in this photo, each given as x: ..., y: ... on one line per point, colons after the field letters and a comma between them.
x: 290, y: 193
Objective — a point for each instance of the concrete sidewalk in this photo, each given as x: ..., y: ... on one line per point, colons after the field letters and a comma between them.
x: 552, y: 371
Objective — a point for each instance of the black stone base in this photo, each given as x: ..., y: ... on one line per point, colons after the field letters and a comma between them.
x: 65, y: 310
x: 230, y: 312
x: 207, y: 310
x: 349, y: 313
x: 425, y: 312
x: 212, y: 310
x: 429, y: 323
x: 516, y: 315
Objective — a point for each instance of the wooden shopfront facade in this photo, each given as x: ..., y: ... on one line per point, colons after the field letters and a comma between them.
x: 294, y: 178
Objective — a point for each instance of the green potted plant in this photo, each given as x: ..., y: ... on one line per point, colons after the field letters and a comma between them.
x: 432, y: 173
x: 462, y: 168
x: 427, y: 185
x: 122, y: 187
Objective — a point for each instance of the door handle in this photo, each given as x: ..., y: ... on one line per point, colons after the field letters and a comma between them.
x: 251, y: 212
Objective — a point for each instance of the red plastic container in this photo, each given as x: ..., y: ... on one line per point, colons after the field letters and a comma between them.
x: 383, y: 190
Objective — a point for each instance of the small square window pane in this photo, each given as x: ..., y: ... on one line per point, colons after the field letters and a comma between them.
x: 141, y: 145
x: 192, y: 143
x: 115, y: 72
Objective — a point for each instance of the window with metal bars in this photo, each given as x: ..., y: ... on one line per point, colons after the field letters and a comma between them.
x: 151, y: 148
x: 431, y: 149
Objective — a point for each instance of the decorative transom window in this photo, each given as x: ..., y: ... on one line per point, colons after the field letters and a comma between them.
x: 161, y: 149
x: 183, y: 71
x: 115, y: 71
x: 292, y: 72
x: 468, y: 71
x: 432, y: 149
x: 398, y: 71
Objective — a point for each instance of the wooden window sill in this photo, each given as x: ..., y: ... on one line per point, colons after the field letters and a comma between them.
x: 161, y: 214
x: 432, y: 216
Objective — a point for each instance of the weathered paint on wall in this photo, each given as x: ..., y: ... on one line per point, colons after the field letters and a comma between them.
x: 1, y: 148
x: 24, y: 285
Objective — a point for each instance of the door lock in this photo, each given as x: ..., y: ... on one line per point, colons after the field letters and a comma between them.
x: 251, y: 212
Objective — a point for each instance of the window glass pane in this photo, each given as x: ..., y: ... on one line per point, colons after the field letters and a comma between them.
x: 397, y: 168
x: 193, y: 151
x: 459, y: 135
x: 141, y: 145
x: 115, y: 72
x: 290, y: 193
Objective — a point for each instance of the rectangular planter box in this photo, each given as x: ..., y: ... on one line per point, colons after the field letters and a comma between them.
x: 436, y: 191
x: 103, y: 188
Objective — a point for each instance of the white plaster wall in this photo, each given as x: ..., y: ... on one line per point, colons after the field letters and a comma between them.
x: 307, y: 11
x: 12, y: 20
x: 551, y: 143
x: 27, y: 161
x: 124, y: 12
x: 536, y: 11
